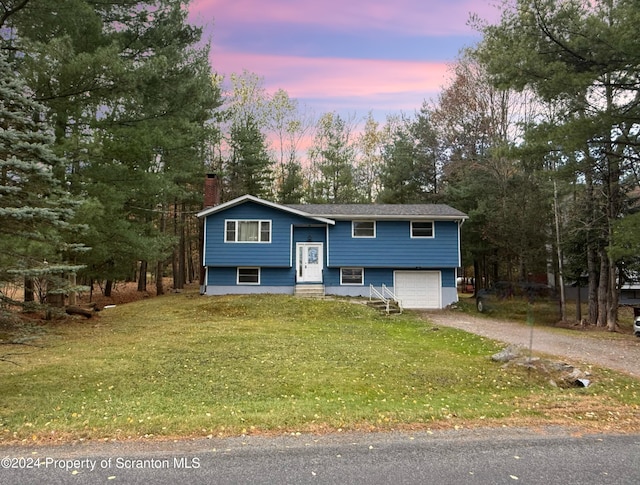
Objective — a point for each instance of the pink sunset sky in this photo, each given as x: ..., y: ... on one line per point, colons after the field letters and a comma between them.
x: 353, y: 56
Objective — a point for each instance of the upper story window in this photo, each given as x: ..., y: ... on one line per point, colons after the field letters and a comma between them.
x: 247, y: 231
x: 422, y: 229
x: 363, y: 229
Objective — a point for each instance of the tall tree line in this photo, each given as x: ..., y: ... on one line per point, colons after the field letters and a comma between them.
x: 544, y: 165
x: 583, y: 59
x: 535, y: 137
x: 128, y: 90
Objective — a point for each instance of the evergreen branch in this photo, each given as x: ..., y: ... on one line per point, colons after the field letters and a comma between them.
x: 8, y: 11
x: 547, y: 31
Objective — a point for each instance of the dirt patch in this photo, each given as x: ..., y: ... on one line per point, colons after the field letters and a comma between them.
x: 582, y: 348
x: 121, y: 293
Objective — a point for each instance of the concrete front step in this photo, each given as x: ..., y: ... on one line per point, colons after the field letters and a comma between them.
x: 311, y: 291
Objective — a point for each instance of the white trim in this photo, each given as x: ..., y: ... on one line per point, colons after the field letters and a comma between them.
x: 291, y: 246
x: 301, y: 277
x: 433, y: 230
x: 329, y: 218
x: 399, y: 291
x: 342, y: 283
x: 251, y: 198
x: 357, y: 221
x: 244, y: 282
x: 259, y: 221
x: 326, y: 228
x: 204, y: 245
x: 459, y: 244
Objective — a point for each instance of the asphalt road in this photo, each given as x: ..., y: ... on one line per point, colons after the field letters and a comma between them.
x: 487, y: 456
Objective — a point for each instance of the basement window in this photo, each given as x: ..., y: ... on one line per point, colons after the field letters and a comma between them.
x: 248, y: 276
x: 352, y: 276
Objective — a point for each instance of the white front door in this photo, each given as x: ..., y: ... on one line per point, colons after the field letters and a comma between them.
x: 309, y: 263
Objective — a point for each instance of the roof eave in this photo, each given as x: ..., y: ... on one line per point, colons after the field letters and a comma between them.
x: 257, y: 200
x: 413, y: 217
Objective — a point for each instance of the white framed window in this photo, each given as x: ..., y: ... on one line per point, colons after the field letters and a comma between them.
x: 422, y: 229
x: 363, y: 228
x: 247, y: 231
x: 248, y: 276
x: 352, y: 276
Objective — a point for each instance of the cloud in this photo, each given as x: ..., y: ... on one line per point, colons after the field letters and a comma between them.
x: 423, y: 17
x: 357, y: 55
x: 326, y: 78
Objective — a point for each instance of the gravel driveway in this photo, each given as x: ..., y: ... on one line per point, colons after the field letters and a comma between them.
x: 622, y: 354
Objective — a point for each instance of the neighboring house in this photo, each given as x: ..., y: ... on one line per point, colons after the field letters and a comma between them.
x: 630, y: 292
x: 255, y: 246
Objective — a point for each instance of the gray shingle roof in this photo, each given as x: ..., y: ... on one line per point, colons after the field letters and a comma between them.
x: 380, y: 210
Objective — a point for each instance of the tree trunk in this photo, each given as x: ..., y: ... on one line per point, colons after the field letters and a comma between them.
x: 191, y: 264
x: 76, y: 310
x: 142, y: 278
x: 612, y: 300
x: 29, y: 290
x: 202, y: 274
x: 603, y: 289
x: 556, y: 213
x: 159, y: 279
x: 108, y: 287
x: 592, y: 268
x: 160, y: 264
x: 72, y: 293
x: 179, y: 284
x: 614, y: 208
x: 579, y: 304
x: 175, y: 265
x: 592, y: 247
x: 55, y: 300
x: 476, y: 276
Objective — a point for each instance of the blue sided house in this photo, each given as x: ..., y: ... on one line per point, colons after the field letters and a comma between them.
x: 411, y: 250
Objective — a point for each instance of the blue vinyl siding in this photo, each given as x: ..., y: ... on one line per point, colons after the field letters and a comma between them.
x: 394, y: 247
x: 268, y: 276
x: 276, y: 253
x: 391, y: 249
x: 372, y: 276
x: 448, y: 277
x: 309, y: 234
x: 286, y: 277
x: 384, y: 276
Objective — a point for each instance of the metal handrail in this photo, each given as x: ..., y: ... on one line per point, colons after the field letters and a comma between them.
x: 392, y: 296
x: 379, y: 296
x: 387, y: 296
x: 373, y: 292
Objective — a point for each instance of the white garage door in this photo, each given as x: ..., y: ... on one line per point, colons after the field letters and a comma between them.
x: 418, y: 289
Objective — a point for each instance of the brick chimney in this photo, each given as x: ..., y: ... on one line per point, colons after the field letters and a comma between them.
x: 211, y: 190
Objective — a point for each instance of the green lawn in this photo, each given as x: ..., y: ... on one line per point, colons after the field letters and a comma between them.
x: 545, y: 313
x: 186, y: 365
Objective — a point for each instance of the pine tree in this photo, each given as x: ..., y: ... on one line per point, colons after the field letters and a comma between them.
x: 35, y: 209
x: 332, y: 158
x: 128, y: 89
x: 249, y: 168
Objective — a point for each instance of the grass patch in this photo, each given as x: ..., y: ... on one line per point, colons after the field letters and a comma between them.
x: 515, y: 309
x: 185, y: 365
x: 546, y: 313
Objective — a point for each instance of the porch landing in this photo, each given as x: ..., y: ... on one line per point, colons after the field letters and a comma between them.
x: 310, y: 291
